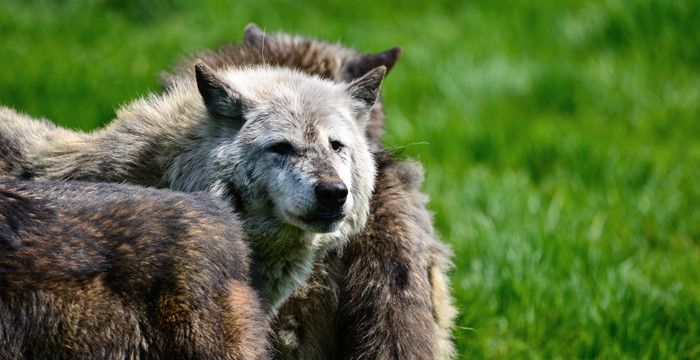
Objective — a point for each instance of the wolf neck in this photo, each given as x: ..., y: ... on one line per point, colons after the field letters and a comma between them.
x: 283, y: 258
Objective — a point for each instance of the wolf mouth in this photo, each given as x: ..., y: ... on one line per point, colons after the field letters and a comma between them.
x: 322, y: 219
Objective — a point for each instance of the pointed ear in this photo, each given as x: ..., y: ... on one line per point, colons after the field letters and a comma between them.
x: 219, y: 98
x: 362, y: 63
x: 253, y: 36
x: 365, y: 90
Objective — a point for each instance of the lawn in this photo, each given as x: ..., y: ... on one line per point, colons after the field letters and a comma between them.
x: 561, y: 142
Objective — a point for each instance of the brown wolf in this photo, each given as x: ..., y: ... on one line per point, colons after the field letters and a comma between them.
x: 353, y: 306
x: 122, y: 272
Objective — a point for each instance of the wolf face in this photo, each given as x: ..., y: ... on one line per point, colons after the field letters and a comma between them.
x: 292, y: 151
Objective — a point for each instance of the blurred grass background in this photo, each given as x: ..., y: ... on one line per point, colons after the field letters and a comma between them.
x: 560, y: 140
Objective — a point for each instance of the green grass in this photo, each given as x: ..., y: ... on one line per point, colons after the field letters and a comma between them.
x: 560, y: 139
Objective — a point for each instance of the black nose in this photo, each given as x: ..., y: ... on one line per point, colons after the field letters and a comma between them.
x: 331, y: 195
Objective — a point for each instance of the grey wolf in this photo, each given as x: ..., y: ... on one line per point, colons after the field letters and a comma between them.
x: 351, y: 307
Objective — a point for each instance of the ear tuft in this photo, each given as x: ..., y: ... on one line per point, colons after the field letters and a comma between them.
x: 363, y: 63
x: 253, y: 36
x: 366, y: 89
x: 219, y: 98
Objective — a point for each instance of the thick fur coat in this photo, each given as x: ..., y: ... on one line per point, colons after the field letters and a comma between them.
x: 123, y: 272
x: 385, y: 296
x: 273, y: 142
x: 352, y: 307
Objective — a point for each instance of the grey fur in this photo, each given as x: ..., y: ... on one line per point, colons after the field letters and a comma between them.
x: 329, y: 61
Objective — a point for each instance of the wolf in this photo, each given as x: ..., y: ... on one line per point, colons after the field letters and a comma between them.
x: 350, y: 308
x: 123, y: 272
x: 285, y: 149
x: 346, y: 309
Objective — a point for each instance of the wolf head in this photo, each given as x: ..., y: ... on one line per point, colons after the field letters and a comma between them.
x: 291, y: 151
x: 310, y: 56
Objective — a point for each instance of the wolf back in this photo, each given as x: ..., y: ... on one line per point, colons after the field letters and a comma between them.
x: 123, y: 272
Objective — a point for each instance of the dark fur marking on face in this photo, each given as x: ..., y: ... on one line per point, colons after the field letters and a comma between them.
x: 249, y: 173
x: 323, y: 169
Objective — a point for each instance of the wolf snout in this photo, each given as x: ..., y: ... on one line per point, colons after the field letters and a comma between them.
x: 331, y: 195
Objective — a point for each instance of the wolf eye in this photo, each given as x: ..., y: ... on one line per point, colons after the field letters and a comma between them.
x: 281, y: 148
x: 336, y: 145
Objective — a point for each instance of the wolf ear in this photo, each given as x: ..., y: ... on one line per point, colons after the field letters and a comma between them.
x: 365, y: 91
x: 253, y: 36
x: 219, y: 97
x: 362, y: 63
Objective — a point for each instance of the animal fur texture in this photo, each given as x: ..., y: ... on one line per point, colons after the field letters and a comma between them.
x: 329, y: 61
x: 106, y: 271
x: 286, y: 149
x: 322, y: 318
x: 350, y: 307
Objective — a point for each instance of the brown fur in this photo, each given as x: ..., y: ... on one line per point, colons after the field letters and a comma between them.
x: 387, y: 294
x: 406, y: 306
x: 390, y: 263
x: 120, y: 272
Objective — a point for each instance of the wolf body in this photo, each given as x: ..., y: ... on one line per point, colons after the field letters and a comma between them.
x: 346, y: 309
x: 351, y: 307
x: 285, y: 149
x: 123, y: 272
